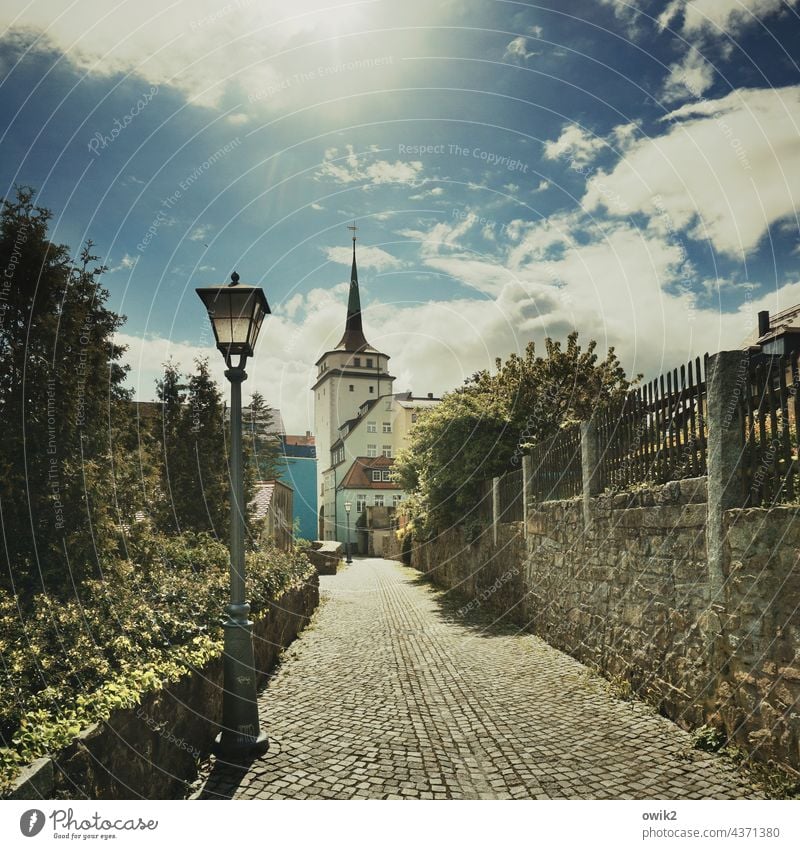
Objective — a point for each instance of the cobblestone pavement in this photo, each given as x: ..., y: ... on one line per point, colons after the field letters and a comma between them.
x: 390, y: 694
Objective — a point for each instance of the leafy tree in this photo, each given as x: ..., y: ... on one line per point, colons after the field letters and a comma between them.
x: 262, y: 443
x: 62, y: 406
x: 479, y: 430
x: 205, y: 497
x: 171, y: 394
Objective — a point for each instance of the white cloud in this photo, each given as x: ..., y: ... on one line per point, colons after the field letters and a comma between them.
x: 368, y: 257
x: 723, y: 171
x: 616, y: 285
x: 575, y: 143
x: 200, y: 233
x: 730, y: 16
x: 517, y: 50
x: 208, y: 50
x: 435, y: 192
x: 690, y: 77
x: 352, y: 167
x: 125, y: 264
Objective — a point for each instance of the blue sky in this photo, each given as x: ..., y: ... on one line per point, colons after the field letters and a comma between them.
x: 516, y: 170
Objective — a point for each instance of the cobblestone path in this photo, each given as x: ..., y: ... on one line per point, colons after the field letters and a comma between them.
x: 391, y: 694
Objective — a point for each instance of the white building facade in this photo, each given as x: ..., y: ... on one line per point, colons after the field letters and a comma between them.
x: 360, y: 425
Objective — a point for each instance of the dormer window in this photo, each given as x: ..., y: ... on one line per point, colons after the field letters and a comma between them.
x: 376, y: 476
x: 357, y: 362
x: 369, y: 362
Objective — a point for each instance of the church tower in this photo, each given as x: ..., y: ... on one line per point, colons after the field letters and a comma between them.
x: 348, y: 377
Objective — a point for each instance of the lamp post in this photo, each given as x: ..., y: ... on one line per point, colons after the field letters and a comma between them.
x: 347, y: 506
x: 236, y: 313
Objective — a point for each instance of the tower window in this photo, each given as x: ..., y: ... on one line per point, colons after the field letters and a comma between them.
x: 371, y: 390
x: 357, y: 362
x: 351, y: 387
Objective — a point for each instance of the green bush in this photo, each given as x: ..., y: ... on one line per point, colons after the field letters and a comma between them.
x: 149, y: 619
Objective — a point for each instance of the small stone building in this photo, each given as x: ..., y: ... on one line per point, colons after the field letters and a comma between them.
x: 272, y: 511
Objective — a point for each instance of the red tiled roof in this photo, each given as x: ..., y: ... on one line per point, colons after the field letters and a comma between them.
x: 291, y: 439
x: 359, y: 475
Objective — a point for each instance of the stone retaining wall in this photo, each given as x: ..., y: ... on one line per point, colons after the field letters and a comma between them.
x: 151, y: 751
x: 325, y: 556
x: 621, y: 582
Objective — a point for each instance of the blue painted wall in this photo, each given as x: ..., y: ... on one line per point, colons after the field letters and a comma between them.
x: 300, y: 473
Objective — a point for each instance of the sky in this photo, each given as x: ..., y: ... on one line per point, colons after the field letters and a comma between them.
x: 515, y: 171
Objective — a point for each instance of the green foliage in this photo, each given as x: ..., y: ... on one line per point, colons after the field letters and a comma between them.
x: 480, y: 430
x: 708, y: 739
x: 193, y: 470
x: 144, y: 623
x: 61, y: 402
x: 262, y: 445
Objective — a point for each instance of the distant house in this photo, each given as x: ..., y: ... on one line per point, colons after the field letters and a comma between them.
x: 272, y: 506
x: 780, y: 333
x: 370, y: 489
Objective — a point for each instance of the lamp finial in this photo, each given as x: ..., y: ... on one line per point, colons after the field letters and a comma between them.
x: 234, y: 278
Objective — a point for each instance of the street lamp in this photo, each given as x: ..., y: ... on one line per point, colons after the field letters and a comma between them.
x: 236, y: 313
x: 347, y: 506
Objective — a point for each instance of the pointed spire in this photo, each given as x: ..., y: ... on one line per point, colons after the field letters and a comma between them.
x: 353, y: 339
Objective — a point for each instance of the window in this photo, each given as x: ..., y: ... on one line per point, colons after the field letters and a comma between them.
x: 371, y: 427
x: 369, y: 362
x: 352, y: 387
x: 386, y: 475
x: 396, y: 499
x: 376, y: 475
x: 379, y: 501
x: 387, y: 427
x: 371, y: 390
x: 372, y: 450
x: 388, y: 406
x: 387, y: 451
x: 361, y: 503
x: 357, y: 362
x: 413, y: 418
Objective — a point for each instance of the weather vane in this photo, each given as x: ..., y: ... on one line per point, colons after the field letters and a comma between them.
x: 353, y: 228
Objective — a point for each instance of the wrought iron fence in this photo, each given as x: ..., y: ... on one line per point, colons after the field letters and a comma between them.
x: 555, y: 466
x: 658, y: 433
x: 769, y: 412
x: 510, y: 497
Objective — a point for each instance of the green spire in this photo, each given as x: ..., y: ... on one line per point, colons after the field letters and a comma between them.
x: 353, y: 339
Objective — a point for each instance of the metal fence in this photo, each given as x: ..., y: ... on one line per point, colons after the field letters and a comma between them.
x: 510, y: 497
x: 769, y: 412
x: 658, y: 433
x: 555, y: 466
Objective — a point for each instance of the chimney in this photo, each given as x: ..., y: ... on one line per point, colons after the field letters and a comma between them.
x: 430, y: 395
x: 763, y: 323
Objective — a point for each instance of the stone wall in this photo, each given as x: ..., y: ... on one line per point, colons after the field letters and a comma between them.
x: 151, y: 751
x: 621, y: 582
x: 325, y: 556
